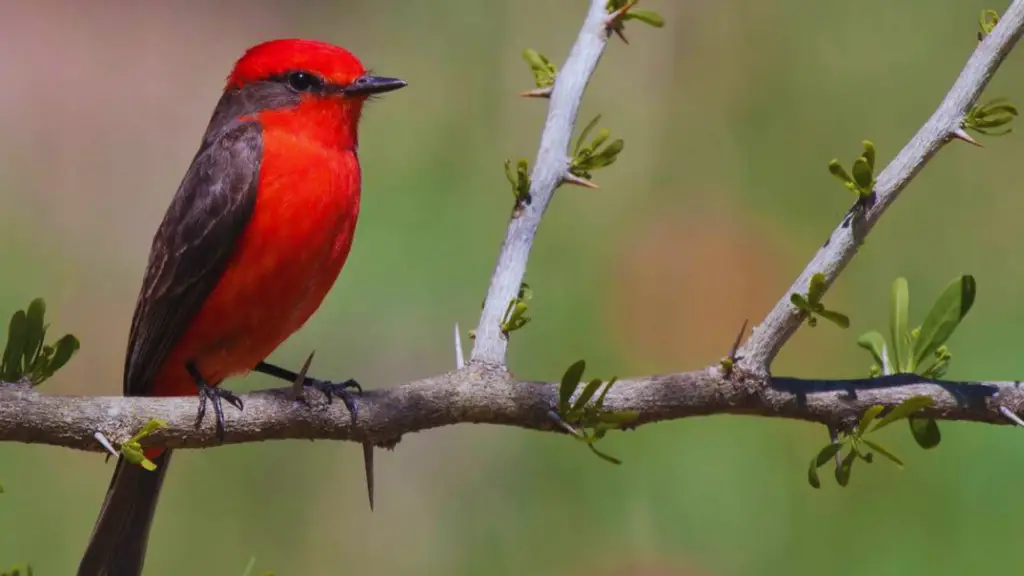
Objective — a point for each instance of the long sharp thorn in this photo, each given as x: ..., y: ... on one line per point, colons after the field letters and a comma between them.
x: 570, y: 178
x: 460, y: 361
x: 298, y: 387
x: 961, y: 134
x: 614, y: 16
x: 1011, y: 416
x: 554, y: 417
x: 544, y: 92
x: 739, y: 338
x: 368, y: 467
x: 106, y: 445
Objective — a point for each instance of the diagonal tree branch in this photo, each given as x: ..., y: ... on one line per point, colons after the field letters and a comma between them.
x: 769, y: 337
x: 484, y: 392
x: 549, y: 171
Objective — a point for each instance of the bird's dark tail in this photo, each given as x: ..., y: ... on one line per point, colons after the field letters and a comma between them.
x: 118, y: 543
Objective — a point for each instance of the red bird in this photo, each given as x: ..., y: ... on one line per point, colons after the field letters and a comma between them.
x: 253, y: 240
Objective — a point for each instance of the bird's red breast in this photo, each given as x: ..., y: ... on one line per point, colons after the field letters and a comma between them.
x: 289, y: 255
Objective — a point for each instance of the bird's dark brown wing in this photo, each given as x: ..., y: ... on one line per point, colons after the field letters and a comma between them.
x: 192, y: 247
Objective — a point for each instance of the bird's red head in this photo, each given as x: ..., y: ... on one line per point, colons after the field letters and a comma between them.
x: 308, y: 66
x: 278, y: 58
x: 304, y: 78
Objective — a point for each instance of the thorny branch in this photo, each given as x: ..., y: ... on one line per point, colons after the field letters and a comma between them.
x: 769, y: 337
x: 485, y: 395
x: 550, y: 170
x: 482, y: 391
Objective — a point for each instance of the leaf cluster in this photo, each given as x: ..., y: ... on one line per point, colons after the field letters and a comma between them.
x: 858, y: 446
x: 24, y: 570
x: 649, y: 17
x: 987, y: 21
x: 811, y: 303
x: 132, y: 449
x: 26, y: 355
x: 544, y: 71
x: 586, y: 415
x: 519, y: 178
x: 588, y: 157
x: 515, y: 314
x: 862, y: 182
x: 986, y: 118
x: 921, y: 350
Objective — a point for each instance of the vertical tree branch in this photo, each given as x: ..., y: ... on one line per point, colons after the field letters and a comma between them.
x: 549, y: 169
x: 769, y: 337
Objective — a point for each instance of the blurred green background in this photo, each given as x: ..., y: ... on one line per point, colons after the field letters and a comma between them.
x: 730, y: 115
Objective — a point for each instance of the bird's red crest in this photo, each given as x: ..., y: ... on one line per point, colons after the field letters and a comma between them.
x: 275, y: 57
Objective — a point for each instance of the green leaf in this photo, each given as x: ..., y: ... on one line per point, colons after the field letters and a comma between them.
x: 602, y: 136
x: 816, y: 289
x: 646, y: 16
x: 800, y: 302
x: 881, y: 450
x: 543, y: 69
x: 16, y: 333
x: 869, y: 415
x: 945, y: 316
x: 869, y: 154
x: 826, y: 454
x: 839, y: 172
x: 844, y: 469
x: 570, y: 380
x: 34, y: 332
x: 874, y: 343
x: 812, y: 475
x: 903, y: 410
x: 987, y: 21
x: 147, y: 429
x: 900, y: 304
x: 926, y: 432
x: 862, y: 174
x: 603, y: 456
x: 600, y: 399
x: 64, y: 349
x: 838, y: 318
x: 588, y: 392
x: 584, y: 133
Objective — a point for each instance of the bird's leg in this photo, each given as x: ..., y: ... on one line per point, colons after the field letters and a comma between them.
x: 214, y: 395
x: 327, y: 388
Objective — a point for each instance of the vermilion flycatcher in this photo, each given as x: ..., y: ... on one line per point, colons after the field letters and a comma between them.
x: 253, y: 240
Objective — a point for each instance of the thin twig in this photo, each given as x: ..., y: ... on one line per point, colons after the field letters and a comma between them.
x: 549, y: 170
x: 768, y: 338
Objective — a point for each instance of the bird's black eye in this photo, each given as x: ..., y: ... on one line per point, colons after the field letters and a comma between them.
x: 304, y: 82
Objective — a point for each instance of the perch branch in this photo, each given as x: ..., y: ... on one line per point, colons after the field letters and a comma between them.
x: 485, y: 395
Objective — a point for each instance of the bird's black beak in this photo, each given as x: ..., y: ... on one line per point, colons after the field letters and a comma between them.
x: 366, y: 85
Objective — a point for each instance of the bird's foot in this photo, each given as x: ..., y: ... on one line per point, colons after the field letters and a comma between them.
x: 325, y: 387
x: 339, y: 390
x: 213, y: 394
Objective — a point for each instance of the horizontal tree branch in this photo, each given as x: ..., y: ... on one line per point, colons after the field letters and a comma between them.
x: 782, y: 322
x: 483, y: 395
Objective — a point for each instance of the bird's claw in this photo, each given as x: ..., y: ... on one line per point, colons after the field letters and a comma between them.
x: 214, y: 395
x: 340, y: 390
